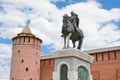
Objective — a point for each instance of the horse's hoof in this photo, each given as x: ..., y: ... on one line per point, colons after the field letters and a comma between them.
x: 68, y: 46
x: 79, y: 48
x: 62, y: 36
x: 64, y: 47
x: 73, y: 46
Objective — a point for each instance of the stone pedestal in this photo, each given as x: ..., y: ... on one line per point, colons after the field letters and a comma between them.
x: 73, y: 58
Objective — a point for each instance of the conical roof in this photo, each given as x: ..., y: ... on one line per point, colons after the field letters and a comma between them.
x: 26, y: 29
x: 26, y: 32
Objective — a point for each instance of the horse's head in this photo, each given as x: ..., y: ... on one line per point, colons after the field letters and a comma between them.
x: 65, y: 17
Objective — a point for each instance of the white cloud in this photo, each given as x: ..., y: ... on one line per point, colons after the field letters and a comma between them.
x: 92, y: 16
x: 4, y: 75
x: 57, y: 1
x: 46, y: 21
x: 5, y: 50
x: 5, y: 59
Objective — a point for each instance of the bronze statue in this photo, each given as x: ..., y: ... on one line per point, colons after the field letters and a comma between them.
x: 74, y: 19
x: 71, y: 30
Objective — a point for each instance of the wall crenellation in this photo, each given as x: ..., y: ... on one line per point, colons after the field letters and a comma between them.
x: 26, y: 40
x: 106, y: 56
x: 106, y: 65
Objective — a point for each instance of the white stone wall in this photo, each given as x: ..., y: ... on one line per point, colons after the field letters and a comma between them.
x: 72, y: 63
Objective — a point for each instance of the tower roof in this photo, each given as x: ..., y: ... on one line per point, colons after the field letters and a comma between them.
x: 26, y: 32
x: 26, y: 29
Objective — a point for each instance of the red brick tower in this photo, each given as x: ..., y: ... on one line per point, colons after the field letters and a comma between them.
x: 25, y: 56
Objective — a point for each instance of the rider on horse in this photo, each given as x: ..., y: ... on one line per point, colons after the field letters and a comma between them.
x: 71, y: 30
x: 74, y: 20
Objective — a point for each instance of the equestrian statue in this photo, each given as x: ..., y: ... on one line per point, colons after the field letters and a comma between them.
x: 71, y: 31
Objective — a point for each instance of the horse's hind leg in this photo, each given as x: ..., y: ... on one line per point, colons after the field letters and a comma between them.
x: 80, y: 43
x: 73, y: 43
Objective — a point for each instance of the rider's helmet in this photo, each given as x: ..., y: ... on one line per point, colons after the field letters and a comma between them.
x: 72, y: 13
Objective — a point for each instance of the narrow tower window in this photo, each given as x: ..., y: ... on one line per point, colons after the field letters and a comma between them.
x: 108, y: 56
x: 22, y: 61
x: 49, y: 62
x: 36, y: 53
x: 33, y: 41
x: 38, y: 70
x: 96, y: 57
x: 24, y: 39
x: 29, y: 39
x: 18, y: 51
x: 20, y: 40
x: 115, y: 54
x: 37, y: 41
x: 36, y: 62
x: 26, y: 68
x: 102, y: 57
x: 44, y: 62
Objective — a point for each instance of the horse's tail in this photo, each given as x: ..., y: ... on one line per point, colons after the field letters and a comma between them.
x: 80, y: 32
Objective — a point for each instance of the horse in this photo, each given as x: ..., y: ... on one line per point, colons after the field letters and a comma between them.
x: 70, y: 33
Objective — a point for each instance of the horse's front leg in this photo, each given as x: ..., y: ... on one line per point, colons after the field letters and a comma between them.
x: 64, y: 42
x: 68, y: 39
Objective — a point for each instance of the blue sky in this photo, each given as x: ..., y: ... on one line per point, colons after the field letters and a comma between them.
x: 106, y: 4
x: 99, y: 20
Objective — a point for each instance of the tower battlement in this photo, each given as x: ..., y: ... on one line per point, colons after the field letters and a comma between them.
x: 27, y: 40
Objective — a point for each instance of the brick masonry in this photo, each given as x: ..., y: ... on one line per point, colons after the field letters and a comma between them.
x: 47, y: 69
x: 106, y: 65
